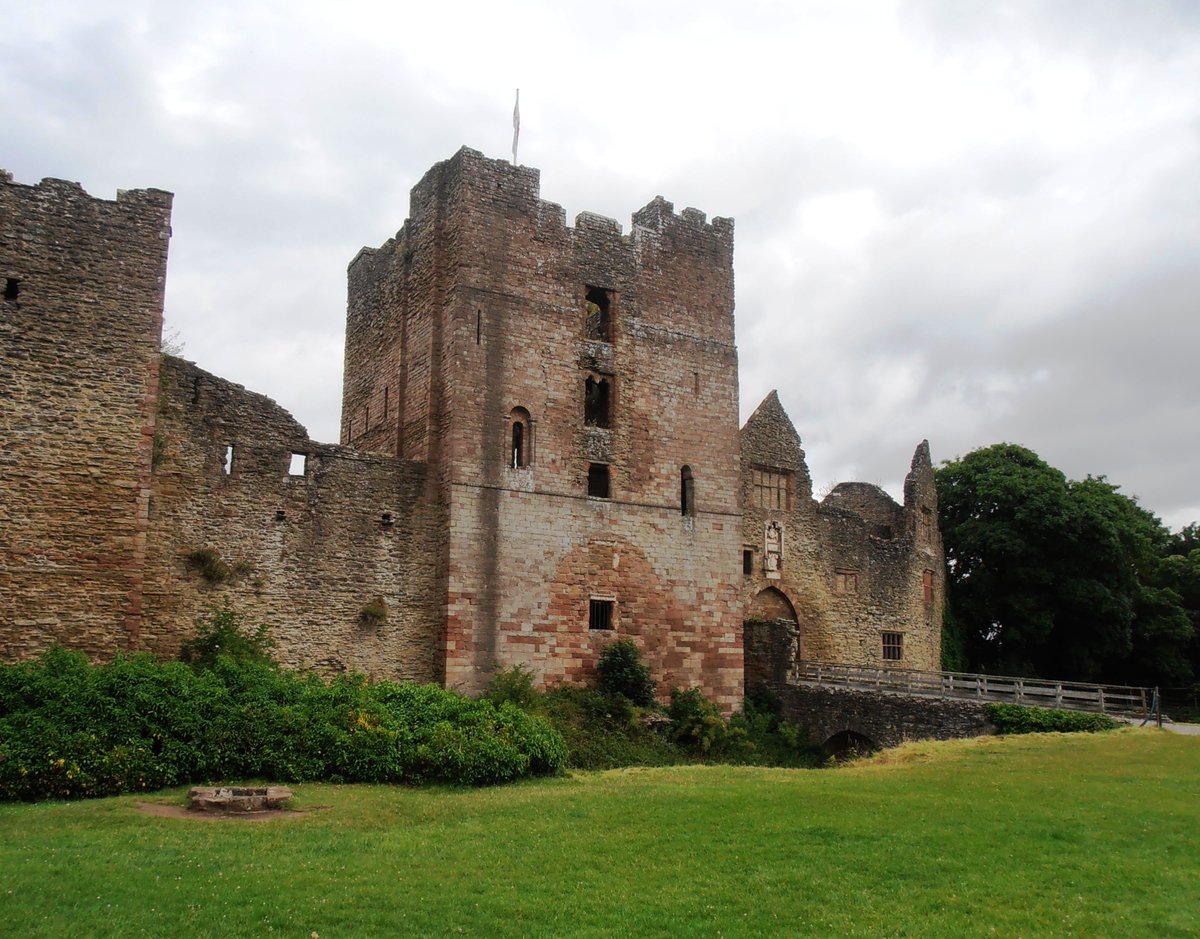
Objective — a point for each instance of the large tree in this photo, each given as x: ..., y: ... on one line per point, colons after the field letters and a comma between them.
x: 1056, y: 578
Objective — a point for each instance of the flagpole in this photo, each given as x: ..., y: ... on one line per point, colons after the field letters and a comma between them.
x: 516, y: 125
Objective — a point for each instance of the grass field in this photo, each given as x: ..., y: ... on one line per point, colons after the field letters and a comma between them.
x: 1045, y: 835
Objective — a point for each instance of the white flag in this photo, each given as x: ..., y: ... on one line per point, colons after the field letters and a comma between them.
x: 516, y: 125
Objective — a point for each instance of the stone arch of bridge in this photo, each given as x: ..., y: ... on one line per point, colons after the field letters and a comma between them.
x: 849, y: 743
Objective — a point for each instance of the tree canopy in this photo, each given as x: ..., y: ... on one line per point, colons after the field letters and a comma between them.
x: 1063, y: 579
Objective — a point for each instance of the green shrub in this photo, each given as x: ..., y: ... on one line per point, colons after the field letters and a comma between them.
x: 1015, y: 719
x: 696, y: 723
x: 224, y: 634
x: 71, y: 730
x: 621, y: 672
x: 513, y: 684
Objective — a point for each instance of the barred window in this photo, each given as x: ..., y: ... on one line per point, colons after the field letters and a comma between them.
x: 893, y: 647
x: 771, y: 488
x: 600, y: 614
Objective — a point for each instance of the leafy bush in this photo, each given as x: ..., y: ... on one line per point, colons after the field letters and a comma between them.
x: 70, y: 730
x: 695, y: 721
x: 224, y: 634
x: 513, y: 684
x: 621, y: 672
x: 604, y: 731
x: 1015, y: 719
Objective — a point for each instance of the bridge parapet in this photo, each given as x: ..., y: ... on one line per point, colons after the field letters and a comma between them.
x: 1030, y: 692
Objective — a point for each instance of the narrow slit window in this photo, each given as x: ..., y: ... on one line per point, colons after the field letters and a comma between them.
x: 893, y: 647
x: 687, y: 492
x: 298, y: 464
x: 12, y: 288
x: 600, y: 614
x: 478, y: 327
x: 599, y: 481
x: 747, y: 561
x: 385, y: 402
x: 597, y: 402
x: 518, y: 445
x: 598, y: 320
x: 227, y: 460
x: 520, y: 438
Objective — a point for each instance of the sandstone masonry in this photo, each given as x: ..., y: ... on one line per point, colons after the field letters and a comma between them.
x: 539, y: 454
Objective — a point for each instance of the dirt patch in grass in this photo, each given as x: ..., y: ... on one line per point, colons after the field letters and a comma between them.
x: 162, y: 810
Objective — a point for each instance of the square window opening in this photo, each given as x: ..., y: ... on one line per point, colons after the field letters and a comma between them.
x: 599, y: 482
x: 600, y: 614
x: 298, y: 464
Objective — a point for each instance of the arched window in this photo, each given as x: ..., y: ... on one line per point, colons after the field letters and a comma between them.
x: 687, y: 492
x: 520, y: 441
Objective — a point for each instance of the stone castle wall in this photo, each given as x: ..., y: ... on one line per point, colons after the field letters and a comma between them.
x: 860, y: 576
x: 305, y: 536
x: 80, y: 324
x: 499, y: 364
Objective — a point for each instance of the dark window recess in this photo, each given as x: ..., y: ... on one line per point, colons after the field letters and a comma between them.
x: 600, y: 614
x: 598, y: 481
x: 385, y: 402
x: 597, y: 402
x: 12, y: 288
x: 280, y: 515
x: 687, y: 492
x: 478, y: 327
x: 598, y: 323
x: 518, y: 445
x: 893, y: 647
x: 386, y: 518
x: 747, y: 562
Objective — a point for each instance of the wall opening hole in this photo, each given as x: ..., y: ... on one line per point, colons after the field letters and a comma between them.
x: 598, y: 481
x: 12, y: 288
x: 386, y: 519
x: 597, y: 402
x: 298, y: 464
x: 600, y: 614
x: 747, y: 561
x: 280, y: 515
x: 687, y: 492
x: 598, y: 322
x: 227, y: 461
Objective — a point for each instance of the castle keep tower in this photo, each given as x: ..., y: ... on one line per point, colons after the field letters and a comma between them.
x: 574, y: 392
x: 80, y: 324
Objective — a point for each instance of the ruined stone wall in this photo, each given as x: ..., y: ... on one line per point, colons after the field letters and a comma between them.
x: 854, y: 568
x: 80, y: 324
x: 315, y: 552
x: 528, y: 548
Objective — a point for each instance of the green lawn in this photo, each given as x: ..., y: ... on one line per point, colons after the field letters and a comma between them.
x: 1044, y: 835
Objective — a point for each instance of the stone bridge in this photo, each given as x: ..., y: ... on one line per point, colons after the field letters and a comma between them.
x: 845, y: 719
x: 847, y: 707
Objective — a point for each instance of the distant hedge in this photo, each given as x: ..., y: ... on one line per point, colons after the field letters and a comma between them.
x: 73, y: 730
x: 1015, y: 719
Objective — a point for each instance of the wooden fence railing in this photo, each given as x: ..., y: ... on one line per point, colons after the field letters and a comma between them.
x: 1034, y: 692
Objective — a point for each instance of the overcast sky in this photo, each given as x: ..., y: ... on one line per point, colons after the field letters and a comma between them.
x: 967, y: 222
